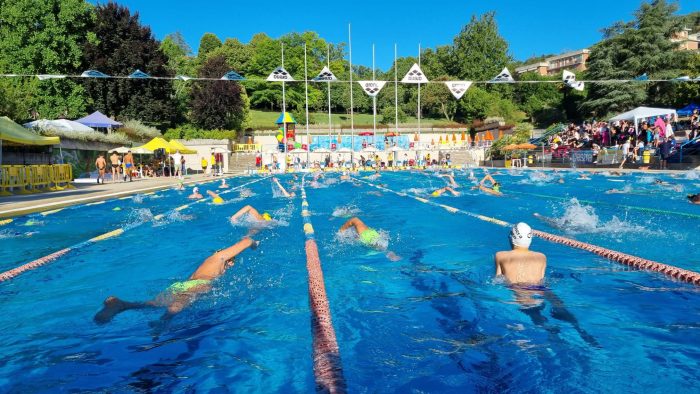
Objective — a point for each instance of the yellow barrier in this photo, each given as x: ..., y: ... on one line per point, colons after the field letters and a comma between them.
x: 34, y: 178
x: 15, y: 178
x: 247, y: 147
x: 55, y: 178
x: 40, y: 177
x: 63, y: 174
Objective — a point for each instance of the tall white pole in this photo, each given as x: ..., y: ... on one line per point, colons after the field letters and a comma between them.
x: 374, y: 104
x: 418, y: 92
x: 306, y: 96
x: 330, y: 125
x: 284, y: 117
x: 352, y: 114
x: 396, y: 92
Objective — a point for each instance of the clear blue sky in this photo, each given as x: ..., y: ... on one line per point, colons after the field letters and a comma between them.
x: 530, y: 27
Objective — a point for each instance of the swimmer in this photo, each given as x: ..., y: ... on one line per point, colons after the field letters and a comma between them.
x: 181, y: 294
x: 282, y: 189
x: 215, y: 198
x: 223, y: 184
x: 180, y: 186
x: 614, y: 191
x: 195, y: 194
x: 439, y: 192
x: 451, y: 179
x: 248, y: 209
x: 368, y: 237
x: 374, y: 176
x: 584, y: 176
x: 495, y: 188
x: 344, y: 176
x: 520, y: 265
x: 561, y: 180
x: 694, y: 198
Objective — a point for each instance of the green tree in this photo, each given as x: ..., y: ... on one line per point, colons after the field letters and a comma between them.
x: 218, y: 104
x: 124, y: 46
x: 479, y: 50
x: 208, y: 43
x: 43, y: 37
x: 540, y: 101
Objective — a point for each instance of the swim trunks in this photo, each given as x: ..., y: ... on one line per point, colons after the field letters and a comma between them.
x: 218, y: 200
x: 128, y: 165
x: 369, y: 237
x: 187, y: 285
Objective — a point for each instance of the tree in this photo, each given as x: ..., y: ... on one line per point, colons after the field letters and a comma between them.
x: 479, y: 50
x: 43, y: 37
x: 218, y: 104
x: 208, y: 43
x: 124, y: 46
x: 540, y: 101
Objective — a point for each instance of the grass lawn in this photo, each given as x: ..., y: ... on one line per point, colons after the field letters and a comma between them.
x: 265, y: 120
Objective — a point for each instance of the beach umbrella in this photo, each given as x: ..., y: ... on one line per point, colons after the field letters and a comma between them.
x: 454, y: 137
x: 440, y: 139
x: 322, y: 150
x: 298, y: 150
x: 369, y: 149
x: 464, y: 136
x: 121, y: 149
x: 392, y: 134
x: 365, y: 133
x: 526, y: 146
x: 510, y: 147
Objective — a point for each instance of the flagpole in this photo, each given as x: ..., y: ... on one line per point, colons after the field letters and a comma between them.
x: 352, y: 114
x: 374, y: 105
x: 330, y: 125
x: 284, y: 115
x: 396, y: 92
x: 306, y: 96
x: 419, y: 133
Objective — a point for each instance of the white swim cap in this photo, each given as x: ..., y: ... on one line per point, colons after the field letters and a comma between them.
x: 195, y: 190
x: 521, y: 235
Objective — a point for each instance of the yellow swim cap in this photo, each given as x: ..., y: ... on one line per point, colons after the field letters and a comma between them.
x: 266, y: 216
x: 218, y: 200
x: 435, y: 194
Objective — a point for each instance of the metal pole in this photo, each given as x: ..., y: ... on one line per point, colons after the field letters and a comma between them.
x: 374, y: 104
x: 330, y: 126
x: 352, y: 114
x: 419, y: 92
x: 396, y: 93
x: 284, y: 116
x: 306, y: 95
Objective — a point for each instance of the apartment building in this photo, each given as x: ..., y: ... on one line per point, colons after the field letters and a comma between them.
x: 573, y: 61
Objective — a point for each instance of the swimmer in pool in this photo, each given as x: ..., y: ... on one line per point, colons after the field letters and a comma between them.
x: 451, y: 179
x: 439, y: 192
x: 223, y: 184
x: 495, y: 188
x: 282, y: 189
x: 375, y: 176
x: 694, y: 198
x: 368, y: 237
x: 252, y: 212
x: 521, y: 265
x: 195, y: 194
x: 215, y: 198
x: 344, y: 176
x: 181, y: 294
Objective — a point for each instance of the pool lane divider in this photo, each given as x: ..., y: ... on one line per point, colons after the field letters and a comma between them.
x: 328, y: 370
x: 11, y: 274
x: 621, y: 206
x: 670, y: 271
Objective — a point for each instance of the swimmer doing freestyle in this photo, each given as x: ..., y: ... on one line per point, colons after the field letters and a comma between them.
x: 181, y: 294
x: 495, y: 188
x: 368, y: 237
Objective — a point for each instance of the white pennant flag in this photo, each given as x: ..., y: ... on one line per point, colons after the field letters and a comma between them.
x: 281, y: 75
x: 504, y: 76
x: 458, y: 88
x: 577, y: 86
x: 568, y: 77
x: 414, y: 75
x: 44, y: 77
x: 372, y: 88
x: 325, y: 75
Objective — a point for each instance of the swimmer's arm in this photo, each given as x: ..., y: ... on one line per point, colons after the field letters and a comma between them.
x: 498, y: 265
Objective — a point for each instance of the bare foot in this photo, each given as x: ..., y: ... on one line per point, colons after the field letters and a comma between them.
x: 112, y: 306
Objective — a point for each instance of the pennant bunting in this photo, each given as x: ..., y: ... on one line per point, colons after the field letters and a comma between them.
x: 503, y: 77
x: 325, y: 75
x: 44, y: 77
x: 93, y: 74
x: 568, y: 77
x: 138, y: 74
x: 577, y: 86
x: 281, y: 75
x: 414, y: 75
x: 183, y: 77
x: 232, y: 76
x: 642, y: 77
x: 372, y: 88
x: 458, y: 88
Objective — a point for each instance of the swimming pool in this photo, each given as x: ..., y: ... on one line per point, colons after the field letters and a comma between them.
x: 434, y: 321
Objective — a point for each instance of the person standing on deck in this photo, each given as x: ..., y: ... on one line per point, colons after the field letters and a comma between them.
x: 101, y: 164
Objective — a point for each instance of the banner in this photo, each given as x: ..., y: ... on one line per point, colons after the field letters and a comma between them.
x: 232, y: 76
x: 280, y: 75
x: 44, y: 77
x: 414, y: 75
x: 569, y: 79
x: 504, y: 76
x: 325, y: 75
x: 458, y: 88
x: 372, y: 88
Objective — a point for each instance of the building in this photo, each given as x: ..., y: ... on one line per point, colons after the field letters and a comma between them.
x: 573, y: 61
x: 687, y: 41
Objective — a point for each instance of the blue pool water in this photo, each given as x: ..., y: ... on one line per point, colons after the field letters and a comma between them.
x: 435, y: 321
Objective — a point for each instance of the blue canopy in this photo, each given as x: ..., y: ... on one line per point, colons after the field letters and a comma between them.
x: 138, y: 74
x: 688, y: 109
x: 97, y: 119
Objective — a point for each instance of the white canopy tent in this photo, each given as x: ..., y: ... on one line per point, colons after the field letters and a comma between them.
x: 642, y: 113
x: 58, y: 125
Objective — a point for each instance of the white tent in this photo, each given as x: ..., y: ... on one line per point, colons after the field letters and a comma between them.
x: 121, y: 149
x: 344, y: 150
x: 321, y: 150
x: 58, y: 125
x: 370, y: 149
x: 219, y: 149
x: 642, y: 113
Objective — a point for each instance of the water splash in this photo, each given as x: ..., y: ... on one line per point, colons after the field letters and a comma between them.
x: 137, y: 198
x: 138, y: 216
x: 692, y: 175
x: 646, y: 179
x: 582, y: 219
x: 9, y: 234
x: 349, y: 237
x: 346, y: 211
x: 537, y: 178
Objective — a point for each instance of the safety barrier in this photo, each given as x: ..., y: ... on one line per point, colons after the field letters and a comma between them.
x: 7, y: 275
x: 240, y: 148
x: 619, y: 257
x: 35, y: 178
x: 326, y: 353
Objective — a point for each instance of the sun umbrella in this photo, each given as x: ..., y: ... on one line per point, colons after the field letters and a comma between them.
x: 454, y: 137
x: 298, y: 150
x: 121, y: 149
x: 526, y: 146
x: 511, y: 147
x: 369, y: 149
x: 365, y: 133
x: 344, y: 150
x: 392, y: 134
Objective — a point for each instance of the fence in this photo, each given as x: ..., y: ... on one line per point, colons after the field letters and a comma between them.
x: 34, y: 178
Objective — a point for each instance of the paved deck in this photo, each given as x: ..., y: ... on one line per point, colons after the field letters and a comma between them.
x: 17, y: 205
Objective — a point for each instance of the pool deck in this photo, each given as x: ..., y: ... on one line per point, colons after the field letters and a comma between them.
x: 18, y: 205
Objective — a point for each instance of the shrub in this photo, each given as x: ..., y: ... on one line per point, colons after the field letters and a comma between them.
x: 138, y: 131
x: 190, y: 132
x: 96, y: 136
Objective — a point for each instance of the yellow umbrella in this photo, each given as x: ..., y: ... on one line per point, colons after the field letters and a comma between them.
x: 158, y: 143
x: 182, y: 148
x: 510, y: 147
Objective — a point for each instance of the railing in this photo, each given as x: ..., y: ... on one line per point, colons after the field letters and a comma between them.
x: 34, y: 178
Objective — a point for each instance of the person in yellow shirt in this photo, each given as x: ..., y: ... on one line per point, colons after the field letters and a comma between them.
x: 212, y: 160
x: 204, y: 165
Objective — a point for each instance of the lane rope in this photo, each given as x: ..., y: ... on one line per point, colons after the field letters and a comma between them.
x: 13, y: 273
x: 328, y: 369
x: 670, y: 271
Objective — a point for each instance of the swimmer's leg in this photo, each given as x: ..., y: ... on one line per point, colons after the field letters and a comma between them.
x: 114, y: 306
x: 560, y: 312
